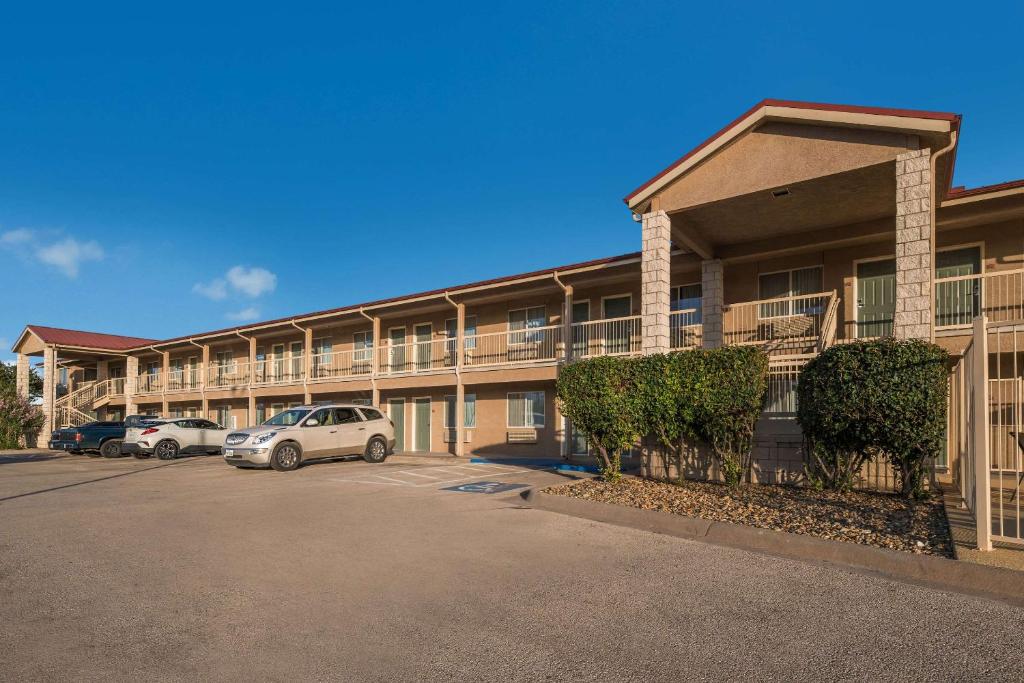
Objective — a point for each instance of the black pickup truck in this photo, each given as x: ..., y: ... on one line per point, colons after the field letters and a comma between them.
x: 95, y: 438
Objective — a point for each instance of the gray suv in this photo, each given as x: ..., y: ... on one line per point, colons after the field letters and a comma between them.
x: 306, y: 433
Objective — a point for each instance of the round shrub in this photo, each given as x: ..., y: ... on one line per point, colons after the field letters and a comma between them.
x: 864, y: 399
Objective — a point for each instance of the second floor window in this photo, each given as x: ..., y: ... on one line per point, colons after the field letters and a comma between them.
x: 786, y: 284
x: 451, y: 330
x: 362, y: 342
x: 526, y: 319
x: 688, y: 298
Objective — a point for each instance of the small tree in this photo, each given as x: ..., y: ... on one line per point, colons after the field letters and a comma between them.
x: 861, y: 399
x: 732, y: 388
x: 600, y: 397
x: 18, y: 417
x: 9, y: 380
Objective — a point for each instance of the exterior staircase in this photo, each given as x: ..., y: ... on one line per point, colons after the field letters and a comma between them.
x: 79, y: 407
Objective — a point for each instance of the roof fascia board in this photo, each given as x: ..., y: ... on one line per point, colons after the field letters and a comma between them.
x: 981, y: 197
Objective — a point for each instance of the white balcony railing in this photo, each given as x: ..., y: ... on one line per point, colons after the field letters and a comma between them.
x: 227, y: 375
x: 116, y: 386
x: 609, y: 337
x: 341, y: 364
x: 149, y: 383
x: 792, y: 321
x: 184, y: 379
x: 999, y: 295
x: 419, y: 356
x: 685, y: 329
x: 531, y: 345
x: 284, y: 370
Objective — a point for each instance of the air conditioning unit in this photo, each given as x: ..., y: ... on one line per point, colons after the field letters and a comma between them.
x: 521, y: 436
x: 452, y: 435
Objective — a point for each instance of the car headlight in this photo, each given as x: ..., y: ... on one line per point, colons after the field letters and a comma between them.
x: 263, y: 438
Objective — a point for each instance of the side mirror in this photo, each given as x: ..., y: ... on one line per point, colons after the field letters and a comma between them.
x: 312, y: 422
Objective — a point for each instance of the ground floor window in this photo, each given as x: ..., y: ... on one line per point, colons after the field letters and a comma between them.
x: 468, y: 415
x: 526, y: 409
x: 261, y: 413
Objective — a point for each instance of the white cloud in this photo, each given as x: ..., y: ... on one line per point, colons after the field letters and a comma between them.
x: 244, y: 315
x: 68, y: 254
x: 215, y: 289
x: 16, y: 237
x: 252, y: 281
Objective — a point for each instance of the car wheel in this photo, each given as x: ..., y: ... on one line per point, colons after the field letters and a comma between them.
x: 286, y: 457
x: 166, y: 450
x: 111, y: 449
x: 376, y: 450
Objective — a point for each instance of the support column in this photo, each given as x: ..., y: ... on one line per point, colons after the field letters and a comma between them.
x: 131, y: 385
x: 307, y: 365
x: 250, y: 410
x: 376, y: 350
x: 204, y: 377
x: 712, y: 300
x: 460, y: 390
x: 49, y: 389
x: 165, y: 368
x: 567, y: 322
x: 24, y: 371
x: 655, y: 268
x: 914, y: 317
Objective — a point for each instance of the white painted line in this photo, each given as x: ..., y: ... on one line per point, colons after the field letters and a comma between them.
x: 404, y: 483
x: 417, y: 474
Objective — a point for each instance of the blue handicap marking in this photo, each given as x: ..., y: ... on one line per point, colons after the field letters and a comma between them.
x: 484, y: 487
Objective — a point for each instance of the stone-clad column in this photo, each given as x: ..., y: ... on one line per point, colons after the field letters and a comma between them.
x: 49, y: 389
x: 655, y: 269
x: 131, y: 385
x: 712, y: 299
x: 23, y: 373
x: 914, y: 234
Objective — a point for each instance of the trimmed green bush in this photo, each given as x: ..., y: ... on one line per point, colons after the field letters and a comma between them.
x: 867, y: 399
x: 732, y: 388
x: 714, y: 395
x: 600, y: 396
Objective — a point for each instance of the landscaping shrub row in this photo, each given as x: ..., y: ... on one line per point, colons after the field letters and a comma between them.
x: 856, y: 402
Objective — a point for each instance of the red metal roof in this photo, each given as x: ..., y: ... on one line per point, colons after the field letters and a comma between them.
x: 958, y: 192
x: 792, y: 104
x: 91, y: 340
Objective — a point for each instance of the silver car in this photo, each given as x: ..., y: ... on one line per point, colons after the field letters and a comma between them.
x: 306, y: 433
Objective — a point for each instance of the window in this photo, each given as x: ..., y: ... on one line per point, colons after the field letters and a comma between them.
x: 347, y: 415
x: 468, y: 414
x: 261, y: 413
x: 224, y: 416
x: 524, y: 319
x: 297, y: 360
x: 362, y: 401
x: 526, y: 409
x: 451, y: 330
x: 363, y: 344
x: 371, y: 414
x: 790, y: 283
x: 688, y: 298
x: 321, y: 361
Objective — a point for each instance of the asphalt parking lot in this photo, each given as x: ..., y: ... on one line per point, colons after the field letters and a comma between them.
x: 126, y: 570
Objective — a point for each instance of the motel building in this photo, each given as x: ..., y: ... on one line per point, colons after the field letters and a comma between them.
x: 795, y: 227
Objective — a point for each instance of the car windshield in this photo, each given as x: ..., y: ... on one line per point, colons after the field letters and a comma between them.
x: 287, y: 418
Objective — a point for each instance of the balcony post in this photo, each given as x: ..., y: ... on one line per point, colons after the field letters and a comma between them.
x: 165, y: 362
x: 914, y: 317
x: 307, y: 364
x: 567, y: 322
x: 460, y: 390
x: 712, y: 301
x: 131, y: 385
x: 49, y: 389
x: 250, y: 419
x: 204, y: 377
x: 375, y: 359
x: 655, y: 268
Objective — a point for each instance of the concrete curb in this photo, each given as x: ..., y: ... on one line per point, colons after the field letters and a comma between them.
x: 936, y: 572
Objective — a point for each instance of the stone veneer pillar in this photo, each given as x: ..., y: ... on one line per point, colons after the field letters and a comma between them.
x: 49, y: 389
x: 23, y: 373
x: 131, y: 385
x: 655, y: 267
x: 914, y: 234
x: 712, y: 299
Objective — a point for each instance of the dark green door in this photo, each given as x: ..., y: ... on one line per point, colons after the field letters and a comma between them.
x: 421, y: 424
x: 876, y: 298
x: 396, y: 411
x: 957, y: 301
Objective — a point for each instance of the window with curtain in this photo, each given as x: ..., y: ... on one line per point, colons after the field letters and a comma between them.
x: 363, y: 344
x: 525, y: 319
x: 469, y: 412
x: 451, y: 330
x: 526, y: 409
x: 790, y: 283
x: 261, y: 413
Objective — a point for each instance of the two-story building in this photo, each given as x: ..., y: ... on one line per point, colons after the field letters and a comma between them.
x: 795, y: 227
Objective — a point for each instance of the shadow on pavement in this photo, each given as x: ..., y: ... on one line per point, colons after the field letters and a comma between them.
x: 98, y: 479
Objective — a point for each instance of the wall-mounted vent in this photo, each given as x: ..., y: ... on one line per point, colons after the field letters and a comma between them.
x: 784, y: 192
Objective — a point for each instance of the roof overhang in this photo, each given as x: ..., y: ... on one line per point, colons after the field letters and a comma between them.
x: 933, y: 127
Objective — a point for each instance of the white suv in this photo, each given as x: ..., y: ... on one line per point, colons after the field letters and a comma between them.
x: 312, y: 432
x: 169, y: 438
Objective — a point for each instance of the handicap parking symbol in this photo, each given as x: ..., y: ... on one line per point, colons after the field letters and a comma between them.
x: 484, y: 487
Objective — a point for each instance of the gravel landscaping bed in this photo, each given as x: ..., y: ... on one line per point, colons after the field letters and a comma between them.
x: 877, y: 519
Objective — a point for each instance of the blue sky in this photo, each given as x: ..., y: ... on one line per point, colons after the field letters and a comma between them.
x: 166, y: 169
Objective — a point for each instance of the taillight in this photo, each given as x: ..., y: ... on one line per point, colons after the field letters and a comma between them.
x: 78, y: 437
x: 151, y: 430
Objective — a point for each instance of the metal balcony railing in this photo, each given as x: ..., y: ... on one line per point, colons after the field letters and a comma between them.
x: 998, y: 295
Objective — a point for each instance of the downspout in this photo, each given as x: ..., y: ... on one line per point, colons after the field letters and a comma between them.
x: 933, y: 203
